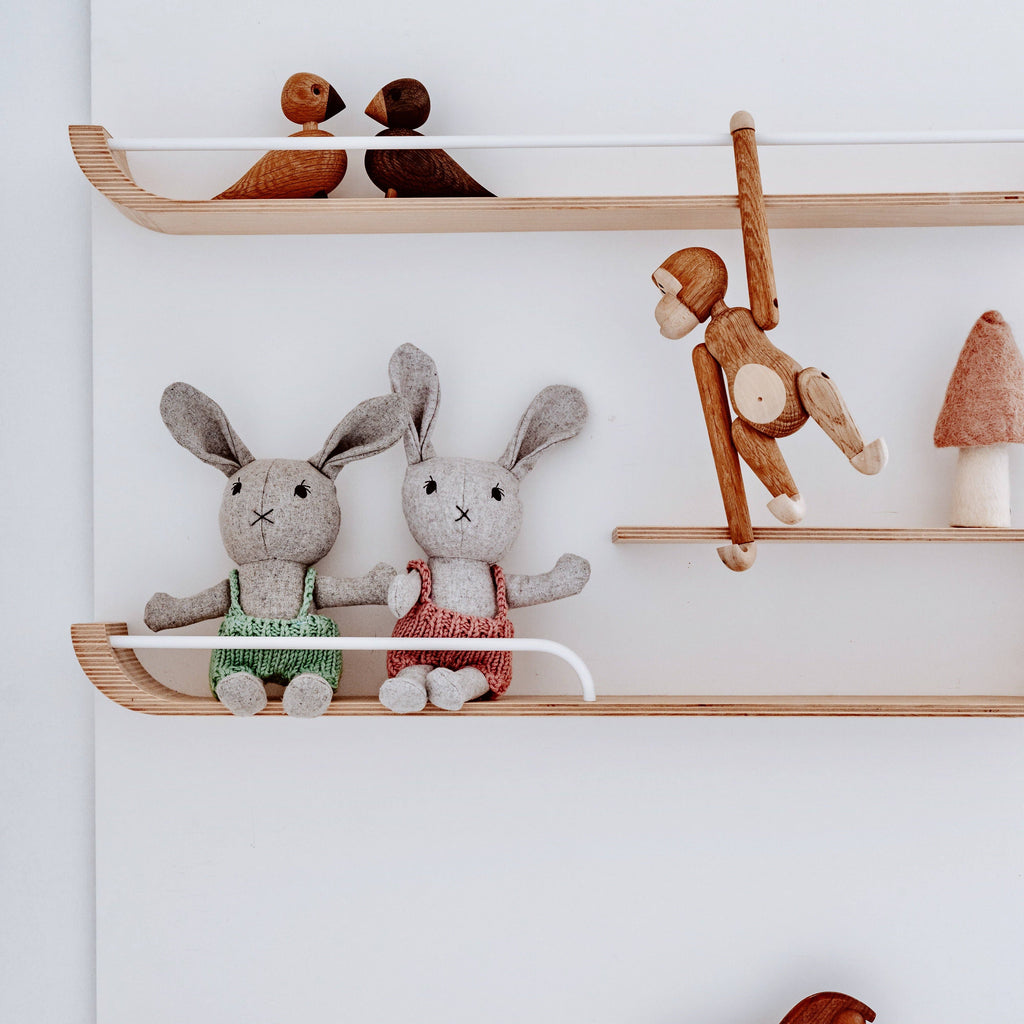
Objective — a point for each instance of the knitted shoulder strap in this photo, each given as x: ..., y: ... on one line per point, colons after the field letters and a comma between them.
x: 500, y: 591
x: 236, y: 603
x: 423, y: 569
x: 307, y: 591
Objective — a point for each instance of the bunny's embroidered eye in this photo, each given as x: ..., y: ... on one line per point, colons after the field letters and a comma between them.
x: 302, y: 490
x: 430, y: 486
x: 236, y: 487
x: 497, y: 493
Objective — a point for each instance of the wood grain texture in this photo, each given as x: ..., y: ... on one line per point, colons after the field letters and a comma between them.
x: 420, y: 173
x: 715, y: 403
x: 119, y: 676
x: 817, y: 535
x: 734, y: 339
x: 291, y: 175
x: 829, y: 1008
x: 108, y: 173
x: 761, y: 453
x: 826, y: 406
x: 757, y: 250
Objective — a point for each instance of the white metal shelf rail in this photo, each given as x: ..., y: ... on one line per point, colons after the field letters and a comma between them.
x: 363, y: 643
x: 361, y: 142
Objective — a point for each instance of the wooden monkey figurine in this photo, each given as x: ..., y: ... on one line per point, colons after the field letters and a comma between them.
x: 771, y: 395
x: 829, y: 1008
x: 402, y: 106
x: 306, y: 99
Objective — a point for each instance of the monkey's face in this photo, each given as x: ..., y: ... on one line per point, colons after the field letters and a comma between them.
x: 675, y: 319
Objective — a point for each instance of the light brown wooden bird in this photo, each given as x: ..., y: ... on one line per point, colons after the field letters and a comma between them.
x: 402, y: 106
x: 306, y: 99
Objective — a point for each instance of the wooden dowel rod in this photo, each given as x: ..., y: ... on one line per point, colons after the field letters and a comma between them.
x: 361, y: 142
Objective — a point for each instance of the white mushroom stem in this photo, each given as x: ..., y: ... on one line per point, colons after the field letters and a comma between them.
x: 981, y: 491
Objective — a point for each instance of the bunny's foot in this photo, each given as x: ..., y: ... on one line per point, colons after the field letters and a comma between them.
x: 449, y: 690
x: 407, y: 692
x: 307, y: 696
x: 242, y: 694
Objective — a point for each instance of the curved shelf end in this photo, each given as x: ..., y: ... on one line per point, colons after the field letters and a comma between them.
x: 119, y: 675
x: 107, y: 171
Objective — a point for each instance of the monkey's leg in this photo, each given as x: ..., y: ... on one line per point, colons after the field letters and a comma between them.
x: 822, y: 400
x: 761, y: 453
x: 714, y: 400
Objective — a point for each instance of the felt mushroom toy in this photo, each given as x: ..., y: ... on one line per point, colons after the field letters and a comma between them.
x: 982, y: 414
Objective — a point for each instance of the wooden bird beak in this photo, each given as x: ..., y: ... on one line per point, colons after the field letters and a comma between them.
x: 377, y: 109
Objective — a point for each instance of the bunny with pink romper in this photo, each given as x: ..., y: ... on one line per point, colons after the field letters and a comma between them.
x: 465, y: 514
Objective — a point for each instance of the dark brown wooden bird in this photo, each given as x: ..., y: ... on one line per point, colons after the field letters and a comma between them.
x: 306, y: 99
x: 829, y: 1008
x: 402, y: 106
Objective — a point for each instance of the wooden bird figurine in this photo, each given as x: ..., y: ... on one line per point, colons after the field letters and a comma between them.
x: 306, y: 99
x: 829, y: 1008
x: 402, y: 106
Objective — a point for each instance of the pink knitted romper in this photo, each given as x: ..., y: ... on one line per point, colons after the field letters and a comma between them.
x: 428, y: 619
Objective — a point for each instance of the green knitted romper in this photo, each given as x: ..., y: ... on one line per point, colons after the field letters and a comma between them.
x: 284, y: 665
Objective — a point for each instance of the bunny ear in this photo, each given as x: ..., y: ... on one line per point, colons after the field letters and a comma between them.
x: 369, y: 428
x: 198, y: 423
x: 555, y: 415
x: 414, y: 376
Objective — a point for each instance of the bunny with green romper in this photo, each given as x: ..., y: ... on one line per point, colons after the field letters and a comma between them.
x: 278, y: 517
x: 283, y: 665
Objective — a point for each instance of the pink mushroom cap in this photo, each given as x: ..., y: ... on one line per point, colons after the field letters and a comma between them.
x: 985, y: 398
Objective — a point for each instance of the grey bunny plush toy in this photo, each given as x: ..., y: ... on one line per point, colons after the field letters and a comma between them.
x: 278, y: 517
x: 465, y: 514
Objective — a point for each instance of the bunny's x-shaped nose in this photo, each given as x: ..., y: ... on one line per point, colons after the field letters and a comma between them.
x: 262, y: 517
x: 464, y: 515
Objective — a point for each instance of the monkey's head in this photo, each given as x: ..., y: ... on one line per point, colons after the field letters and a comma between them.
x: 691, y: 281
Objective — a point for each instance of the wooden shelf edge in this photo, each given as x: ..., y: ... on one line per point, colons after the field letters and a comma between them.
x: 817, y: 535
x: 108, y: 172
x: 119, y: 675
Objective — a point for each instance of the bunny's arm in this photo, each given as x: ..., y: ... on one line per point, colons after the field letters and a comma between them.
x: 568, y: 577
x: 404, y: 592
x: 371, y: 588
x: 166, y: 612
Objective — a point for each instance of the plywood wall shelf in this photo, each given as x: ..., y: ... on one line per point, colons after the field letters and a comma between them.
x: 816, y: 535
x: 119, y: 675
x: 108, y: 171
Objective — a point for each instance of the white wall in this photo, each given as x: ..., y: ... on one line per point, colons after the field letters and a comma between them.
x: 551, y: 870
x: 47, y: 944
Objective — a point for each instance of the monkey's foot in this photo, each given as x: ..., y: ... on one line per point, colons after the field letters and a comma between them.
x: 738, y: 557
x: 786, y: 509
x: 872, y: 459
